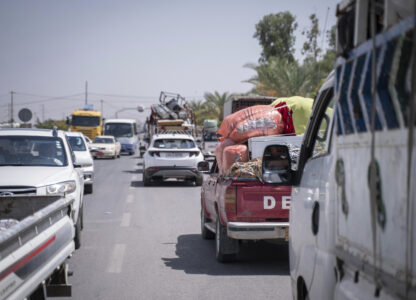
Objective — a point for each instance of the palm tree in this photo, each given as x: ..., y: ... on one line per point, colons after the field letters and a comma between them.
x: 281, y: 78
x: 215, y: 104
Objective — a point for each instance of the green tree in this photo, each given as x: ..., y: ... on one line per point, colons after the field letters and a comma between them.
x: 48, y: 124
x: 275, y: 34
x: 200, y: 110
x: 215, y: 104
x: 310, y: 47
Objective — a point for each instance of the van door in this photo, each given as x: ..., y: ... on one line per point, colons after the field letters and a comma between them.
x: 308, y: 215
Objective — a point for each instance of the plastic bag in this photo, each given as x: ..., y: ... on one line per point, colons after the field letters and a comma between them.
x: 260, y: 125
x: 219, y: 153
x: 248, y: 114
x: 233, y: 154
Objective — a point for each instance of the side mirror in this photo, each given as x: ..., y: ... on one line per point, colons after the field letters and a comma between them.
x: 276, y: 165
x: 203, y: 166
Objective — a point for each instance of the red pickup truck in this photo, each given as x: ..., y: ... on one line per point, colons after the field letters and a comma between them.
x: 234, y: 209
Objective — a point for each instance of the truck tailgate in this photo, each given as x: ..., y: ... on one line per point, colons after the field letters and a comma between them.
x: 261, y: 201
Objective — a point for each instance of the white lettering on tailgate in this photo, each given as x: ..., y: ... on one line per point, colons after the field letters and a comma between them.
x: 269, y: 202
x: 286, y: 202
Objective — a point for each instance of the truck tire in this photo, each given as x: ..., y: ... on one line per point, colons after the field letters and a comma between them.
x: 226, y: 249
x: 77, y: 238
x: 205, y: 233
x: 198, y: 181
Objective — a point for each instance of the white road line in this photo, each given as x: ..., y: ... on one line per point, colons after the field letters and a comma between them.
x: 116, y: 258
x: 125, y: 220
x: 129, y: 198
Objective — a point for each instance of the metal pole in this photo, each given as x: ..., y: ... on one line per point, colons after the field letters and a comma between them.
x: 11, y: 108
x: 102, y: 107
x: 86, y: 93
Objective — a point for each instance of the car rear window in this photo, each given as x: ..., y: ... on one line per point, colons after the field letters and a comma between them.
x: 173, y: 144
x: 103, y: 141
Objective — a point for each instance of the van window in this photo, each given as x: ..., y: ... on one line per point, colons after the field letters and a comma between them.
x: 322, y: 135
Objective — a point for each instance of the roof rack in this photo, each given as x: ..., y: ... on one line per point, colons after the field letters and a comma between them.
x: 171, y: 131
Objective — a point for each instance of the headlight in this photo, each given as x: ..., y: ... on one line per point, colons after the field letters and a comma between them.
x: 66, y: 187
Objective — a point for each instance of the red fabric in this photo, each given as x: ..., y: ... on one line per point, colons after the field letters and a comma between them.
x: 287, y: 119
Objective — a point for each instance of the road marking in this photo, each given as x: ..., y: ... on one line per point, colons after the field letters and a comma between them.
x: 129, y: 198
x: 125, y: 220
x: 116, y: 258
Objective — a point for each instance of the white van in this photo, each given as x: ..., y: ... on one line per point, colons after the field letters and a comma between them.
x: 352, y: 231
x: 125, y: 131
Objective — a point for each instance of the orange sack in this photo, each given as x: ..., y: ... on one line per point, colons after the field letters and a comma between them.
x: 219, y: 153
x: 232, y: 154
x: 258, y: 120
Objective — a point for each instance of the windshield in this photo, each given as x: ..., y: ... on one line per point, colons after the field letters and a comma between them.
x: 210, y: 137
x: 85, y: 121
x: 119, y: 129
x: 77, y: 144
x: 32, y: 151
x: 174, y: 144
x: 99, y: 140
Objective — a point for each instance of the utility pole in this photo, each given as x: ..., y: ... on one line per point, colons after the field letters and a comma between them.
x: 43, y: 112
x: 11, y: 107
x: 102, y: 107
x: 86, y: 93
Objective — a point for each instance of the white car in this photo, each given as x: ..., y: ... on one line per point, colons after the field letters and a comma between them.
x: 105, y: 146
x: 40, y: 162
x: 83, y: 157
x: 172, y: 156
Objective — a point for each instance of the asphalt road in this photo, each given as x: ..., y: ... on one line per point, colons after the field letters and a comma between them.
x: 144, y: 243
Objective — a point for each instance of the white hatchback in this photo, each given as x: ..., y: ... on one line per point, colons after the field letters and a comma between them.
x: 172, y: 156
x: 83, y: 157
x: 40, y: 162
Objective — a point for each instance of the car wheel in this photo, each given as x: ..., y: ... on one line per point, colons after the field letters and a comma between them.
x: 205, y: 233
x: 77, y: 238
x: 226, y: 249
x: 198, y: 181
x: 88, y: 189
x: 146, y: 180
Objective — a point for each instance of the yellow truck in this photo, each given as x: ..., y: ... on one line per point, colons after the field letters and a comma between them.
x: 89, y: 122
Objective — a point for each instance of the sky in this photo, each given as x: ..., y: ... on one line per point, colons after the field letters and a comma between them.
x: 131, y: 50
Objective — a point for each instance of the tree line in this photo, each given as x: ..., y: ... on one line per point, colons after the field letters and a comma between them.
x: 278, y: 73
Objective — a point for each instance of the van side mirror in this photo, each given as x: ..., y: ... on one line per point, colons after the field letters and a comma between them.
x: 276, y: 165
x: 203, y: 166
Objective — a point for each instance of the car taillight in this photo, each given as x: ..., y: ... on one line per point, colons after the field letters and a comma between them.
x: 231, y: 199
x: 196, y: 153
x: 153, y: 153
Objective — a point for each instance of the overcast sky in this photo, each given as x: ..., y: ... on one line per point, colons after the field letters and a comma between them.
x: 134, y: 48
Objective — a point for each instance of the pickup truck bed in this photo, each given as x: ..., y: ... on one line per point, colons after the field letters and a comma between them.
x: 243, y: 210
x: 35, y: 249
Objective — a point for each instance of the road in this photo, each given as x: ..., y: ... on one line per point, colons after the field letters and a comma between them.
x: 144, y: 243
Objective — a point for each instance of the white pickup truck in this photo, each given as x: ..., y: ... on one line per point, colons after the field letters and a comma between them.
x: 36, y: 238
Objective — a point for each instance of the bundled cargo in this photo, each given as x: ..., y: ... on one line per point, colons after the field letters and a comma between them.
x: 250, y: 169
x: 295, y: 113
x: 219, y: 153
x: 253, y: 121
x: 233, y: 154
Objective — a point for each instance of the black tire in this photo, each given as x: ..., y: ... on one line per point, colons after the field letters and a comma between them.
x: 88, y: 189
x: 198, y: 181
x: 205, y: 232
x: 226, y: 249
x: 77, y: 238
x: 146, y: 180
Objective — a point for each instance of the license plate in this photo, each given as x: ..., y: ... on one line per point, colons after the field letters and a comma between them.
x: 173, y: 154
x: 287, y: 234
